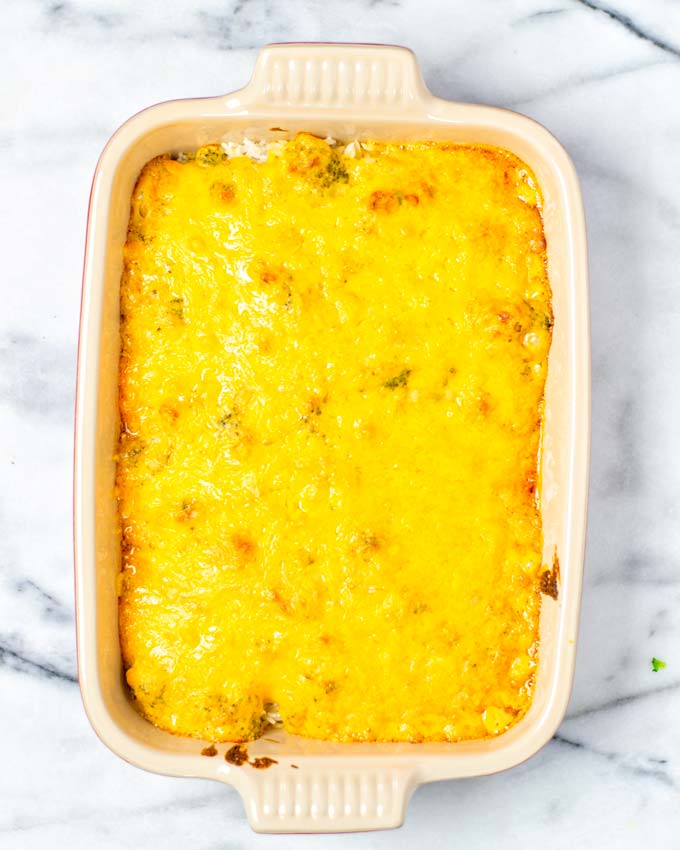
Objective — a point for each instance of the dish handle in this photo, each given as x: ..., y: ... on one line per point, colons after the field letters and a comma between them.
x: 300, y: 799
x: 352, y: 77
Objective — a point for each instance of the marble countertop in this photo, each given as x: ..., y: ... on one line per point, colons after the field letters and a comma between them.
x: 605, y: 78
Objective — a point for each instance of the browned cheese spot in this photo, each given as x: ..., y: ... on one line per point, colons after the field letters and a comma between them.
x: 245, y: 546
x: 380, y: 201
x: 262, y: 762
x: 236, y: 755
x: 550, y: 579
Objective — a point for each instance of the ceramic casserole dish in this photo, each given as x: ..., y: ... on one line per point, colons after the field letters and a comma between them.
x: 347, y: 92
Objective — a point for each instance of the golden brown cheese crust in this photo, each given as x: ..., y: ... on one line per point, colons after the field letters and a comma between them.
x: 331, y: 384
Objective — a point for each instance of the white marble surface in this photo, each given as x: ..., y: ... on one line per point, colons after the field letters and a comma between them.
x: 606, y: 81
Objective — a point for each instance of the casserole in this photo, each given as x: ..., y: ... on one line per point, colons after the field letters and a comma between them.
x: 345, y: 91
x: 330, y: 417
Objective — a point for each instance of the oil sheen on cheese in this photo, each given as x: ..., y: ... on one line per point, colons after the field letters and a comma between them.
x: 331, y: 387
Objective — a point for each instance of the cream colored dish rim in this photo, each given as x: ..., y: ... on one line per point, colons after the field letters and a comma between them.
x: 353, y: 90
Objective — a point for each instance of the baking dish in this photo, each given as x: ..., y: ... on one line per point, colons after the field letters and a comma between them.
x: 346, y: 91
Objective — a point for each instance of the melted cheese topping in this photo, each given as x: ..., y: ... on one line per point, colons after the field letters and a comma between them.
x: 331, y: 389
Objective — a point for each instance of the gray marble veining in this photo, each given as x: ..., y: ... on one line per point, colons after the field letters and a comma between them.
x: 605, y: 78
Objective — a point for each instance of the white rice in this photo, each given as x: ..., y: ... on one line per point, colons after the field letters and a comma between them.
x: 271, y: 712
x: 259, y: 150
